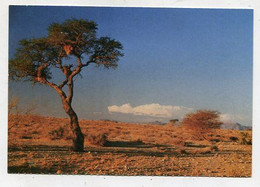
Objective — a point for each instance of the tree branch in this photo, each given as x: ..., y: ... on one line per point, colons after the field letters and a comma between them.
x: 64, y: 70
x: 77, y: 69
x: 70, y: 90
x: 70, y: 79
x: 63, y: 83
x: 43, y: 80
x: 87, y: 64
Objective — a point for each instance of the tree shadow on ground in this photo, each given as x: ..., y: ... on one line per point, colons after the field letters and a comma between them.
x: 135, y: 144
x: 29, y: 170
x: 136, y: 148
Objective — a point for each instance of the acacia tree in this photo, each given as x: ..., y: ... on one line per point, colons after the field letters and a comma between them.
x: 69, y: 47
x: 202, y: 122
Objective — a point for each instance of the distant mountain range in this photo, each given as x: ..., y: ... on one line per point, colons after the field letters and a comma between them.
x: 156, y: 123
x: 235, y: 126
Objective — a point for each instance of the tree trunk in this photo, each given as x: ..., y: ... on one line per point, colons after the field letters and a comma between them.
x: 77, y: 136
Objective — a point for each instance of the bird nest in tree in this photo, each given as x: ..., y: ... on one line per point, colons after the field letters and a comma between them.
x: 68, y: 49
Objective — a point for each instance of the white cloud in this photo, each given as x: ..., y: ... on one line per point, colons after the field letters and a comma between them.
x: 230, y: 118
x: 154, y: 110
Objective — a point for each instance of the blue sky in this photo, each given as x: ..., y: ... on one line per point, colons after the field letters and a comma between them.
x: 176, y: 61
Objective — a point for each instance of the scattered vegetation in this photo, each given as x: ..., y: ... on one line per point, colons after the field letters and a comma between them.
x: 41, y: 145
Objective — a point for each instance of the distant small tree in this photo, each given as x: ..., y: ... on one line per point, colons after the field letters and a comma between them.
x: 13, y: 105
x: 14, y: 112
x: 202, y: 122
x: 69, y: 47
x: 173, y: 121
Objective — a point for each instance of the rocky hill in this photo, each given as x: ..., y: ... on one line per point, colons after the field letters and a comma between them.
x: 235, y: 126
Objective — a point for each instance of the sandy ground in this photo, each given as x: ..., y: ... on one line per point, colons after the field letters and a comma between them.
x: 41, y: 145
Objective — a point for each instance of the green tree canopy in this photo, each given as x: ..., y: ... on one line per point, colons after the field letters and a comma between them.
x: 35, y: 58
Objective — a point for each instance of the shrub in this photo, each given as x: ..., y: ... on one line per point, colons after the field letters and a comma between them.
x: 215, y: 140
x: 187, y: 144
x: 57, y: 134
x: 214, y: 148
x: 173, y: 122
x: 100, y: 139
x: 202, y: 122
x: 26, y: 137
x: 246, y: 139
x: 233, y: 138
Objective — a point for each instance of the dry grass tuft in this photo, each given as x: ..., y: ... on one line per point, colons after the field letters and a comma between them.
x: 57, y: 133
x: 97, y: 140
